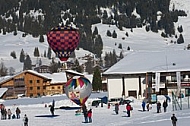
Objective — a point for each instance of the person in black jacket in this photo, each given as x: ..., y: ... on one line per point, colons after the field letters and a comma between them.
x: 165, y: 105
x: 174, y: 120
x: 116, y: 108
x: 158, y: 107
x: 52, y: 110
x: 85, y: 113
x: 25, y: 120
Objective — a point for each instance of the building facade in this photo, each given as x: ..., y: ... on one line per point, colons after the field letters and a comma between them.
x: 141, y: 74
x: 31, y: 84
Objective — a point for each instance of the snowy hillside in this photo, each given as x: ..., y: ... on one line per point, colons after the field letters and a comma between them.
x: 138, y: 40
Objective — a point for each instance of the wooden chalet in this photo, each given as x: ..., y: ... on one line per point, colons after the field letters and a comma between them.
x: 28, y: 83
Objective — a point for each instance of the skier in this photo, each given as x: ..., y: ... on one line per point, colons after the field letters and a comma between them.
x: 174, y: 120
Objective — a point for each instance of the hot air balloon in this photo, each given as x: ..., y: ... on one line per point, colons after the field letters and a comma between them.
x: 63, y: 40
x: 78, y: 89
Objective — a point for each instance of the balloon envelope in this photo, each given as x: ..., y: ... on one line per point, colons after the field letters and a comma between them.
x: 78, y: 89
x: 63, y: 40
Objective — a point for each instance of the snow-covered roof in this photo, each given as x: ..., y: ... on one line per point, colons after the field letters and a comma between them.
x: 6, y: 78
x: 36, y: 73
x: 74, y: 72
x: 56, y: 77
x: 160, y: 61
x: 2, y: 91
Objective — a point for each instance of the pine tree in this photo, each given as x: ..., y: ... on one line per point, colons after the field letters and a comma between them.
x: 13, y: 54
x: 95, y: 31
x: 15, y: 33
x: 180, y: 39
x: 54, y: 66
x: 76, y: 64
x: 3, y: 70
x: 109, y: 33
x: 98, y: 46
x: 147, y: 28
x: 127, y: 34
x: 128, y: 48
x: 121, y: 55
x: 180, y: 29
x: 107, y: 60
x: 36, y: 52
x: 49, y: 53
x: 114, y: 35
x: 27, y: 63
x: 22, y: 56
x: 78, y: 68
x: 89, y: 65
x: 120, y: 46
x: 4, y: 31
x: 41, y: 38
x: 97, y: 81
x: 113, y: 58
x: 44, y: 53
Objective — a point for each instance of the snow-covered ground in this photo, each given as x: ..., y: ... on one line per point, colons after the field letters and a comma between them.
x: 102, y: 116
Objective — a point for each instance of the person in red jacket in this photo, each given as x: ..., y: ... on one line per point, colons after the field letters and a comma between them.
x: 90, y: 115
x: 128, y: 108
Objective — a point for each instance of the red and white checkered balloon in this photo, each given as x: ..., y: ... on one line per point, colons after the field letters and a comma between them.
x: 63, y: 40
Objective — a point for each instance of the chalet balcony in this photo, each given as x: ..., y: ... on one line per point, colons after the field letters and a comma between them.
x: 19, y: 89
x: 185, y: 83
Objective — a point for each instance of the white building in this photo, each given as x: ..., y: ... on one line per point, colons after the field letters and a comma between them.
x: 140, y: 74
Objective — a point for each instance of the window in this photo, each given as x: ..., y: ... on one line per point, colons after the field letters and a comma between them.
x: 52, y: 88
x: 163, y: 79
x: 38, y: 88
x: 58, y: 87
x: 187, y: 91
x: 44, y: 87
x: 173, y: 78
x: 37, y: 81
x: 30, y: 81
x: 31, y: 95
x: 31, y: 88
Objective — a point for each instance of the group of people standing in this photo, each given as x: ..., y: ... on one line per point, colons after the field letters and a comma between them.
x: 158, y: 106
x: 7, y: 114
x: 87, y: 114
x: 128, y: 109
x: 165, y: 105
